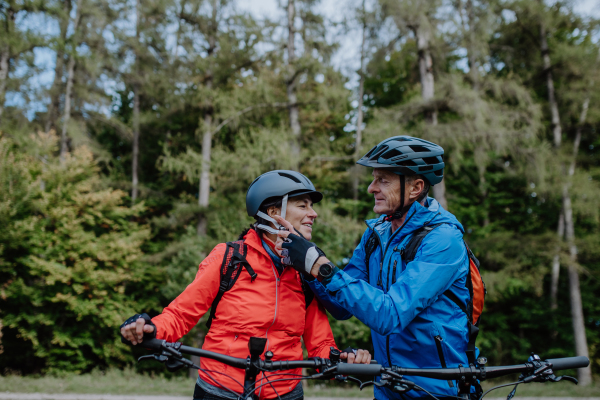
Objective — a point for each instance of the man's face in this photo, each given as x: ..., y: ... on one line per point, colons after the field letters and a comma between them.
x: 386, y: 190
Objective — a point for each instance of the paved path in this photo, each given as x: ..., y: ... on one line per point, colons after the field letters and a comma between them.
x: 71, y: 396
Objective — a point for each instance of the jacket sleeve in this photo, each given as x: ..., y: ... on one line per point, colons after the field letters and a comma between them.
x: 356, y: 268
x: 179, y: 317
x: 317, y: 331
x: 441, y: 259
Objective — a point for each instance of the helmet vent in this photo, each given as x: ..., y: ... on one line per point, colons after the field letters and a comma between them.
x: 426, y: 168
x: 289, y: 176
x: 391, y: 153
x: 379, y: 151
x: 419, y: 149
x: 439, y: 172
x: 370, y: 152
x: 431, y: 160
x: 408, y: 163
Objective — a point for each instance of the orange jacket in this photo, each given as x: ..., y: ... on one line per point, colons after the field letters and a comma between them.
x: 273, y: 306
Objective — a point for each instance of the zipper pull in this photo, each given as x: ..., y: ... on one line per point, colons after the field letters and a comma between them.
x: 379, y: 283
x: 394, y: 272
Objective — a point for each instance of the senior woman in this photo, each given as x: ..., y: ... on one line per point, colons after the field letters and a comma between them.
x: 267, y: 299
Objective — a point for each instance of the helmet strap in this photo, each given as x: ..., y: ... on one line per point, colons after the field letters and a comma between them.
x: 400, y: 211
x: 278, y: 227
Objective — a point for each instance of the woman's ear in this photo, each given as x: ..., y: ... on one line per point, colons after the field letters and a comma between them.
x: 273, y: 211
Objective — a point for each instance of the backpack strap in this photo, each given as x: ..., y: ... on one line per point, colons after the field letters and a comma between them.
x: 371, y: 245
x: 309, y: 295
x: 410, y: 250
x: 231, y: 267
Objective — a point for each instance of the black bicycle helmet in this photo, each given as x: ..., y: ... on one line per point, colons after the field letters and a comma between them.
x: 406, y: 155
x: 278, y: 184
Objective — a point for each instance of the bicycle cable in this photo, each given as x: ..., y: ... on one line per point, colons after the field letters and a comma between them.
x: 500, y: 386
x: 272, y: 387
x: 429, y: 393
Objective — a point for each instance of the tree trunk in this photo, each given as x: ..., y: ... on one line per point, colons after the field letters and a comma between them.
x: 204, y: 185
x: 136, y: 143
x: 55, y: 91
x: 423, y: 36
x: 554, y: 116
x: 291, y: 86
x: 359, y: 118
x: 64, y: 148
x: 560, y: 232
x: 136, y: 110
x: 69, y: 91
x: 584, y: 375
x: 4, y: 57
x: 473, y: 72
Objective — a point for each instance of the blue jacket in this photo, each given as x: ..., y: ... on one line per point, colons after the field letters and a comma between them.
x: 412, y: 323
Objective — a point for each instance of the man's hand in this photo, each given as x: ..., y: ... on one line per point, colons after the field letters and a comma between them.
x: 134, y: 328
x: 282, y: 237
x: 295, y: 250
x: 361, y: 357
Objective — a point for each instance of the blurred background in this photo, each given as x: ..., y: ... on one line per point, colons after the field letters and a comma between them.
x: 130, y: 131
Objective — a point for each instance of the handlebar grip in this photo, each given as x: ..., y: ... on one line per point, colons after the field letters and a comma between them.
x: 569, y: 362
x: 359, y: 369
x: 153, y: 344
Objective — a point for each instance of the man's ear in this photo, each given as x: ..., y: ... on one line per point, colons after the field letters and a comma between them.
x: 417, y: 187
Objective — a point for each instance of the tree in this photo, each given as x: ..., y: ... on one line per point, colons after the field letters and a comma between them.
x: 70, y: 76
x: 15, y: 43
x: 70, y: 264
x: 62, y: 12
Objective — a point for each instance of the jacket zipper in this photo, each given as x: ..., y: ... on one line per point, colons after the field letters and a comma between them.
x: 276, y: 302
x: 383, y: 252
x: 438, y: 344
x: 394, y: 272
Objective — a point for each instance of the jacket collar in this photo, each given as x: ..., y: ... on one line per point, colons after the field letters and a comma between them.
x: 416, y: 217
x: 252, y: 239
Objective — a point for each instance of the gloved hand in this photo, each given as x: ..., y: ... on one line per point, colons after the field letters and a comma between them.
x: 137, y: 328
x: 299, y: 253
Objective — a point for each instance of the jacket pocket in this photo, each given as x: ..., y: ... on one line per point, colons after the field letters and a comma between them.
x: 440, y: 350
x: 235, y: 338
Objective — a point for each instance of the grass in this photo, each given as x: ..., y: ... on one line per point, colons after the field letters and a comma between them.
x: 129, y: 382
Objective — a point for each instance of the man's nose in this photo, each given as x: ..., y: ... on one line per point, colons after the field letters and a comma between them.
x: 312, y: 213
x: 372, y: 188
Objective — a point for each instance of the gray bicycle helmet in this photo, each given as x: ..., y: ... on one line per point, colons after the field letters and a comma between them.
x: 274, y: 184
x: 406, y: 155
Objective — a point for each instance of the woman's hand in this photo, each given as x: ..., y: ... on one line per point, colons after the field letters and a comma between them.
x: 135, y: 327
x: 361, y: 357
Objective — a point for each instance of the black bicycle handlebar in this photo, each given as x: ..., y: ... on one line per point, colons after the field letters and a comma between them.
x: 569, y: 362
x: 375, y: 369
x: 457, y: 373
x: 156, y: 344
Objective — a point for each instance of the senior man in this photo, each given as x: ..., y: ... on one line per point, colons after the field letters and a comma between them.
x: 413, y: 307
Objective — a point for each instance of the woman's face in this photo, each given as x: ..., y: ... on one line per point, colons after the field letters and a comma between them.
x: 299, y: 213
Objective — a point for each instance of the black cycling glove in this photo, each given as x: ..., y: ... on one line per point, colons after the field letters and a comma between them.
x: 148, y: 321
x: 299, y: 253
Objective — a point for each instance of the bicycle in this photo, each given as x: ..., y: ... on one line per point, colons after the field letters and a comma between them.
x: 534, y: 370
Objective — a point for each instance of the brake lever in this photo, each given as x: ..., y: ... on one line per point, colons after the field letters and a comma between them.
x: 565, y: 377
x: 158, y: 357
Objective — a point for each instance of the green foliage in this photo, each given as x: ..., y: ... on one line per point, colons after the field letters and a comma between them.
x: 70, y: 261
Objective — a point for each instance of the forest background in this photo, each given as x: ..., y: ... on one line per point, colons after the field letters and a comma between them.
x: 122, y: 173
